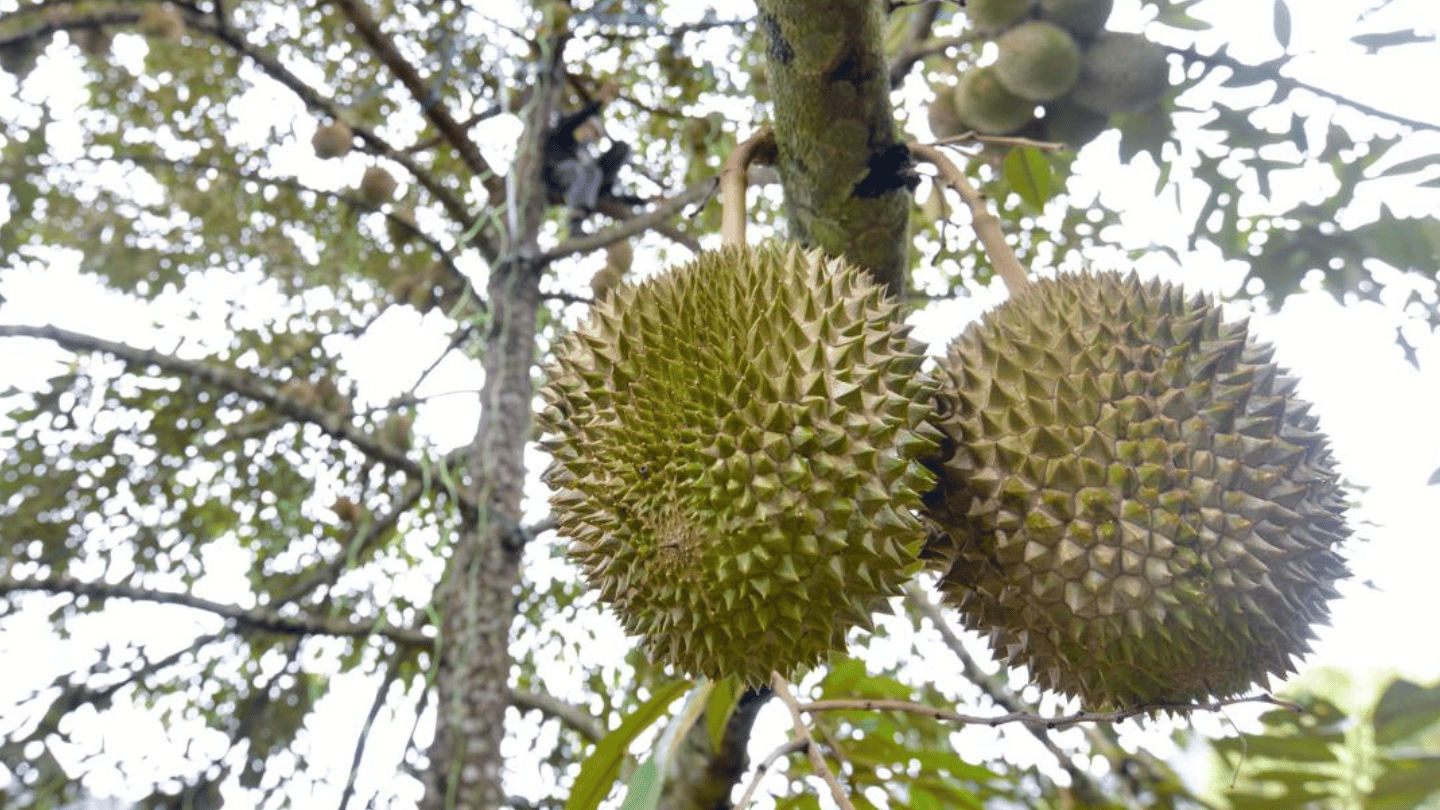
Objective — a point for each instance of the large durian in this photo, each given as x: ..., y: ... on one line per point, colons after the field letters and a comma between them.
x: 984, y: 105
x: 1137, y: 508
x: 735, y: 454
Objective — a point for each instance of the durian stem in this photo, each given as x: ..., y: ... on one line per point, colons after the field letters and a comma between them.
x: 758, y: 148
x: 987, y: 227
x: 802, y: 735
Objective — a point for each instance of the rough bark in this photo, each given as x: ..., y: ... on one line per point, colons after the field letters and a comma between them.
x: 846, y: 175
x: 476, y: 599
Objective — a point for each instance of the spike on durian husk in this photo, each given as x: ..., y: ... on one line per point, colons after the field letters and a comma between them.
x: 1137, y: 507
x: 735, y: 452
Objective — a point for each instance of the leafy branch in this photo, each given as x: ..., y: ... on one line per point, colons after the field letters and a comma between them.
x: 255, y: 618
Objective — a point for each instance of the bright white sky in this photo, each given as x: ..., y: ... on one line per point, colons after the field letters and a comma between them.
x: 1380, y: 412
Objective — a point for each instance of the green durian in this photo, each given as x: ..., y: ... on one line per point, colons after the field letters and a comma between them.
x: 1073, y: 125
x: 1038, y: 61
x: 985, y: 106
x: 989, y: 16
x: 1137, y: 507
x: 1121, y: 72
x: 1082, y: 18
x: 735, y: 452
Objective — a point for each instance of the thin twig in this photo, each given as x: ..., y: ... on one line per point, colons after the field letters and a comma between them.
x: 802, y: 738
x: 987, y: 227
x: 783, y: 751
x: 255, y: 618
x: 1029, y: 718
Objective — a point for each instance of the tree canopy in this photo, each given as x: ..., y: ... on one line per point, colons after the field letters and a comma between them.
x: 269, y: 480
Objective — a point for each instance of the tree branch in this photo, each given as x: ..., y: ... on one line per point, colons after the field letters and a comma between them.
x: 634, y: 224
x: 567, y: 713
x: 257, y: 619
x: 802, y: 737
x: 1030, y: 719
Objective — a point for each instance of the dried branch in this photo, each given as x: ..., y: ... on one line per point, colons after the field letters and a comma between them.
x: 802, y: 739
x: 254, y: 618
x: 987, y: 227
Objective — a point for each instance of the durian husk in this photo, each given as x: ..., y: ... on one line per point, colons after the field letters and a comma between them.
x: 991, y: 16
x: 986, y: 106
x: 1038, y: 60
x: 1136, y: 506
x: 1121, y: 72
x: 1082, y: 18
x: 735, y: 451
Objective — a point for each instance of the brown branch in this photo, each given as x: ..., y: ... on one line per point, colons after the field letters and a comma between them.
x: 229, y: 379
x: 567, y: 713
x: 758, y: 148
x: 783, y: 751
x: 424, y: 94
x: 802, y: 738
x: 987, y: 227
x: 253, y: 618
x: 635, y: 224
x: 911, y: 51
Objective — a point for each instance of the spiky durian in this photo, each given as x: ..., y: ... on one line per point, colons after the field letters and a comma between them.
x: 989, y: 16
x: 1038, y: 61
x: 985, y: 106
x: 735, y: 450
x: 1137, y: 508
x: 1121, y: 72
x: 1082, y: 18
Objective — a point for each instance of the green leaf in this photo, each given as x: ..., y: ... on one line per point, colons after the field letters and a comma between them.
x: 601, y: 768
x: 1388, y: 39
x: 723, y: 700
x: 1404, y: 710
x: 1028, y: 174
x: 1282, y: 24
x: 643, y: 790
x: 1405, y: 783
x: 1294, y: 749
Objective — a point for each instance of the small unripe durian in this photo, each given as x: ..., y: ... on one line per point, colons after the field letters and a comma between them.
x: 1073, y: 125
x: 1082, y: 18
x: 990, y: 16
x: 401, y: 227
x: 93, y: 41
x: 1137, y: 507
x: 332, y: 140
x: 20, y: 58
x: 985, y: 106
x: 734, y: 454
x: 1121, y: 72
x: 1038, y: 61
x: 376, y: 185
x: 618, y: 258
x: 944, y: 119
x: 161, y: 21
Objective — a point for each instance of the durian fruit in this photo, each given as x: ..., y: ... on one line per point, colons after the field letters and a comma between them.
x: 735, y: 454
x: 618, y: 258
x: 1137, y: 508
x: 985, y: 106
x: 401, y: 227
x: 990, y: 16
x: 1121, y: 72
x: 1070, y: 124
x: 161, y: 21
x: 1038, y: 61
x: 332, y: 140
x: 92, y: 41
x: 942, y: 116
x: 20, y: 57
x: 376, y: 185
x: 1082, y: 18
